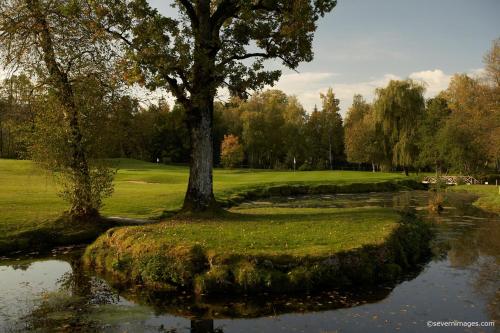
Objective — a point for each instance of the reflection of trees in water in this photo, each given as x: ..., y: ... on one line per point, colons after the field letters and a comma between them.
x: 79, y: 283
x: 241, y: 306
x: 468, y: 237
x: 402, y: 200
x: 479, y: 249
x: 67, y: 309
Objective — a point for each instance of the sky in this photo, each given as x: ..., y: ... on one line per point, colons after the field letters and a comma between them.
x: 363, y: 44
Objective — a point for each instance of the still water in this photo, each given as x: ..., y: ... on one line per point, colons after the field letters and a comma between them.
x: 461, y: 282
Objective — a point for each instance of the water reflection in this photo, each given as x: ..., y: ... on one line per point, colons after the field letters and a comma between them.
x: 461, y: 283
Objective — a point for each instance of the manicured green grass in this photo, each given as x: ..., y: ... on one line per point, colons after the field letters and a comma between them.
x: 267, y: 231
x: 28, y: 196
x: 489, y: 195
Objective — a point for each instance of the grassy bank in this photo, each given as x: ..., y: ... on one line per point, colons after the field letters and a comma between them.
x: 29, y: 205
x: 263, y: 250
x: 489, y: 196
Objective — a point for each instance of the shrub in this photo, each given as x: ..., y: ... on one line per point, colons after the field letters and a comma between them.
x: 231, y: 151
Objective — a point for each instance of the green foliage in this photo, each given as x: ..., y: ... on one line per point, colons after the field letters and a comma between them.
x: 364, y: 144
x: 269, y: 122
x: 101, y: 186
x: 469, y: 138
x: 275, y: 131
x: 281, y: 30
x: 325, y: 133
x: 430, y: 145
x: 399, y: 110
x: 18, y: 101
x: 459, y: 131
x: 80, y: 187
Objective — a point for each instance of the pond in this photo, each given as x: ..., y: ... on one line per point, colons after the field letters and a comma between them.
x: 461, y: 282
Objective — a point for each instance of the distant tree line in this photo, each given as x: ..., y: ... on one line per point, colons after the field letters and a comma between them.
x: 273, y: 129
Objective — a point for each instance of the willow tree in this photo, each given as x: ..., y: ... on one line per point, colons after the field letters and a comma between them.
x: 54, y: 43
x: 207, y: 45
x: 399, y: 108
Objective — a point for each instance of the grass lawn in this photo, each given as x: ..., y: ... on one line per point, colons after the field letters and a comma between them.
x: 489, y: 195
x: 267, y: 231
x: 28, y: 198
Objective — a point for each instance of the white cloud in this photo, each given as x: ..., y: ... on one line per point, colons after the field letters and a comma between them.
x: 433, y: 80
x: 345, y: 91
x: 308, y: 86
x: 477, y: 72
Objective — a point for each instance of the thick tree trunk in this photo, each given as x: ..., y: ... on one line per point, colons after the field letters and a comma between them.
x: 405, y: 168
x: 199, y: 195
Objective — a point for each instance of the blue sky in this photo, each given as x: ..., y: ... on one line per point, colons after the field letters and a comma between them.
x: 362, y: 44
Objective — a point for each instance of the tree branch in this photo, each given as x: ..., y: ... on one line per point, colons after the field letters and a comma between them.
x: 225, y: 10
x: 191, y: 13
x: 120, y: 36
x: 177, y: 91
x: 244, y: 56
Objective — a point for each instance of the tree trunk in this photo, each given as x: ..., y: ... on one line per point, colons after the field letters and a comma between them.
x: 373, y: 167
x: 199, y: 195
x: 330, y: 157
x: 405, y: 168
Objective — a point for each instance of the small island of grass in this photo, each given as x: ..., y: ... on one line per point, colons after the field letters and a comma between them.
x: 263, y: 250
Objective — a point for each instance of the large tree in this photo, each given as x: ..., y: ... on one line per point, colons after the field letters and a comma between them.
x: 54, y: 41
x: 210, y: 44
x: 333, y: 134
x: 363, y: 143
x: 492, y: 67
x: 399, y: 108
x: 429, y: 134
x: 472, y: 130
